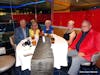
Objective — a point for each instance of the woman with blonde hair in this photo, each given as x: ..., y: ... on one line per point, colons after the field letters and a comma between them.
x: 34, y: 31
x: 70, y: 33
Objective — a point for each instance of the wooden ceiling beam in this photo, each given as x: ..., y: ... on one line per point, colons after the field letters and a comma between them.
x: 87, y: 4
x: 62, y: 3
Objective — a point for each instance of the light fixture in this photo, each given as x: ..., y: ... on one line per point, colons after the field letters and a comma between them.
x: 77, y: 1
x: 2, y: 13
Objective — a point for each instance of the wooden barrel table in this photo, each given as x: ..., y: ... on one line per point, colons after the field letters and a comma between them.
x: 43, y: 60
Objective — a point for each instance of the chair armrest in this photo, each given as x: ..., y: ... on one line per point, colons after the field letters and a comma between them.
x: 95, y: 57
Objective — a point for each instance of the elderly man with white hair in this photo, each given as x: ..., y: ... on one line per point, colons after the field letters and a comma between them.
x: 48, y: 29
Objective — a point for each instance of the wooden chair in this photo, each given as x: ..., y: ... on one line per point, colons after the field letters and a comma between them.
x: 98, y: 62
x: 61, y: 31
x: 11, y: 38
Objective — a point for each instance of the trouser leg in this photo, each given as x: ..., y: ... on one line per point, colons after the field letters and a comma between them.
x: 26, y: 72
x: 75, y: 66
x: 18, y: 71
x: 69, y: 56
x: 72, y: 53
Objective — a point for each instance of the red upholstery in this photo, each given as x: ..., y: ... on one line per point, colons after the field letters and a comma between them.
x: 28, y: 17
x: 91, y: 15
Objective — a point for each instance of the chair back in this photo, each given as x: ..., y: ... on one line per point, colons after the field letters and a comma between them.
x: 11, y: 38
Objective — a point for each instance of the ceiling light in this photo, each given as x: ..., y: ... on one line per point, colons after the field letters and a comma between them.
x: 77, y: 1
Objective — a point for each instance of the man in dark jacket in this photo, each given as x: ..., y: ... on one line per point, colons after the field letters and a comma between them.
x: 21, y: 32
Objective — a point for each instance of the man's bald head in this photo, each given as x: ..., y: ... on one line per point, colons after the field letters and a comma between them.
x: 86, y: 26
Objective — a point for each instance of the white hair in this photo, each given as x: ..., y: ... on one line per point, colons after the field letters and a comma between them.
x: 48, y: 21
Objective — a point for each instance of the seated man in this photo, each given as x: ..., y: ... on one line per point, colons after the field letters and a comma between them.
x: 83, y: 47
x: 21, y: 32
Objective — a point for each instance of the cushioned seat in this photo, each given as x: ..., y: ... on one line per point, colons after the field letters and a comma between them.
x: 11, y: 38
x: 6, y: 62
x: 93, y: 60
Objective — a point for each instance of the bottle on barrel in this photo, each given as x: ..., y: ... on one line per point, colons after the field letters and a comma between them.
x: 33, y: 41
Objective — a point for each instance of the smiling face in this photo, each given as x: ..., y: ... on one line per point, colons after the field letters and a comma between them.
x: 86, y: 26
x: 23, y: 23
x: 34, y: 26
x: 48, y: 23
x: 70, y: 24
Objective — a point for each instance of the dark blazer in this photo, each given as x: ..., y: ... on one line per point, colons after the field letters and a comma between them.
x: 18, y: 34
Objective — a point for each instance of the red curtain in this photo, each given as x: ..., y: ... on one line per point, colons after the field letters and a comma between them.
x: 78, y: 17
x: 63, y: 18
x: 91, y: 15
x: 94, y: 17
x: 43, y: 17
x: 28, y: 17
x: 56, y: 19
